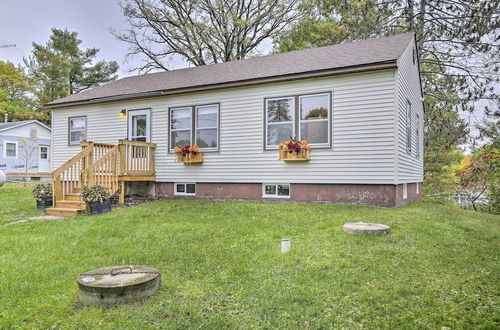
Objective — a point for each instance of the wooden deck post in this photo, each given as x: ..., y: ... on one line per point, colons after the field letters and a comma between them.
x: 121, y: 199
x: 57, y: 190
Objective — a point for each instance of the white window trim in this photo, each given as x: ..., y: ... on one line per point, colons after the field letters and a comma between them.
x: 405, y: 191
x: 184, y: 193
x: 5, y: 150
x: 408, y: 126
x: 329, y: 131
x: 73, y: 143
x: 274, y: 146
x: 264, y: 195
x: 417, y: 136
x: 130, y: 123
x: 196, y: 128
x: 172, y: 130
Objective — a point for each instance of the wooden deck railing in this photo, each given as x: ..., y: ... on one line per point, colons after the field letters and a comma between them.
x: 103, y: 164
x: 104, y: 172
x: 136, y: 157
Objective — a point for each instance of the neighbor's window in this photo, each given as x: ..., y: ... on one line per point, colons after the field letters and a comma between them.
x: 207, y: 126
x: 304, y: 116
x: 408, y: 126
x: 44, y: 153
x: 188, y: 189
x: 314, y: 119
x: 10, y: 149
x: 276, y: 190
x: 279, y: 120
x: 77, y: 128
x: 205, y: 132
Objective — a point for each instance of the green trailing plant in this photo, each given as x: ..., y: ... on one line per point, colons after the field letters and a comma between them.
x: 91, y: 194
x: 42, y: 191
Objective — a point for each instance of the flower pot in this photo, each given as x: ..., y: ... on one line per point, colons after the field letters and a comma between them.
x: 44, y: 203
x: 302, y: 155
x: 95, y: 207
x: 190, y: 158
x: 99, y: 208
x: 106, y: 206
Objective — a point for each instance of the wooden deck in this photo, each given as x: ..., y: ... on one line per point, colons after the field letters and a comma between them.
x: 106, y: 165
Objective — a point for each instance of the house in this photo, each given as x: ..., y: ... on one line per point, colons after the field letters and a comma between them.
x: 359, y: 105
x: 25, y: 149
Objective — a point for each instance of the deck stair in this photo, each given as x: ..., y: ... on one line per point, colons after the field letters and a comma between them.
x: 106, y: 165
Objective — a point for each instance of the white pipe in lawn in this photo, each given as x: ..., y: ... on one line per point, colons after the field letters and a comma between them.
x: 285, y: 245
x: 2, y: 178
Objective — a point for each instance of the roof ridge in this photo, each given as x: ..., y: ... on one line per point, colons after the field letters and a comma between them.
x: 355, y: 55
x: 274, y: 54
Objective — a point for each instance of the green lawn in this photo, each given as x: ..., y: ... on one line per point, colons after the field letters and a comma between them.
x: 222, y: 268
x: 16, y: 202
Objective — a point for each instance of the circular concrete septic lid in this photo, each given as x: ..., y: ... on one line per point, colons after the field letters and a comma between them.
x: 362, y: 228
x: 118, y: 284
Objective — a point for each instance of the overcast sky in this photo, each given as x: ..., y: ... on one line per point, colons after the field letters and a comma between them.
x: 25, y: 21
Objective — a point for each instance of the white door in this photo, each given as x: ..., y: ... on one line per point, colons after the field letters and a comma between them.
x: 139, y: 125
x: 43, y: 158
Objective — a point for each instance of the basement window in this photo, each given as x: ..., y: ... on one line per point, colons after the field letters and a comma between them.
x: 185, y: 189
x: 276, y: 190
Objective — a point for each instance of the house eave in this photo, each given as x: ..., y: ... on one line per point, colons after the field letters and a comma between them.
x: 391, y: 64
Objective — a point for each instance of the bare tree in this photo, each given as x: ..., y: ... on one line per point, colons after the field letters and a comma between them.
x: 459, y: 40
x: 201, y: 31
x: 27, y: 148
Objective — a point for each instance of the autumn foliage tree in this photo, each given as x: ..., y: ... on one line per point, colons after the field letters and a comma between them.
x: 481, y: 178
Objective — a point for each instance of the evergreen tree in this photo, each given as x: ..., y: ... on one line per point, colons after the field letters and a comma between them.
x: 60, y: 67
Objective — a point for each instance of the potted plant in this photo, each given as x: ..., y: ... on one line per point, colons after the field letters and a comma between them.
x: 295, y: 150
x: 188, y: 154
x: 97, y: 199
x: 43, y: 195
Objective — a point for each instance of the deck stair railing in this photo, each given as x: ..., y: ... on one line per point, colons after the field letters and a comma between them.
x: 106, y: 165
x: 104, y: 172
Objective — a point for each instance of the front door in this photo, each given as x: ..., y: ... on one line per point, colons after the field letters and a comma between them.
x: 139, y: 125
x: 43, y: 158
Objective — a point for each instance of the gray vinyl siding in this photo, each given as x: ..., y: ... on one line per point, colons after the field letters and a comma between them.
x: 409, y: 166
x: 363, y: 132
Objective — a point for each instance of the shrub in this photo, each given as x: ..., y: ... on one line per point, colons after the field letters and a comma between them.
x: 42, y: 191
x: 91, y: 194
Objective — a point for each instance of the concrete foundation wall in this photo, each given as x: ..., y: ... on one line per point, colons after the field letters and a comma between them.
x: 369, y: 194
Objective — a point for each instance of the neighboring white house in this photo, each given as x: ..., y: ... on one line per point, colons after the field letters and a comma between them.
x: 367, y: 142
x: 25, y: 147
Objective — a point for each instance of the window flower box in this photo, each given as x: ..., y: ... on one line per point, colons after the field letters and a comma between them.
x: 189, y: 154
x: 295, y: 150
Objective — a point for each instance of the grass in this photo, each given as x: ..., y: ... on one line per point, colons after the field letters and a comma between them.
x: 16, y: 202
x: 221, y: 267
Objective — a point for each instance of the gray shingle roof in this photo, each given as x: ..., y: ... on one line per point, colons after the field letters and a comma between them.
x: 12, y: 124
x: 358, y: 53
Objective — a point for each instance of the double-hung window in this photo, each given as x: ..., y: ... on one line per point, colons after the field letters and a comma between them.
x: 180, y: 127
x: 314, y: 121
x: 77, y: 129
x: 304, y: 116
x: 280, y: 120
x: 408, y: 126
x: 195, y: 124
x: 417, y: 124
x: 207, y: 126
